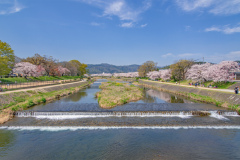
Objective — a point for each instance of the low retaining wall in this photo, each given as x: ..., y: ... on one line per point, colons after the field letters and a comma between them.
x: 217, y: 95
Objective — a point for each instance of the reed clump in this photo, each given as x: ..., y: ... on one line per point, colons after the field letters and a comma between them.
x: 113, y: 94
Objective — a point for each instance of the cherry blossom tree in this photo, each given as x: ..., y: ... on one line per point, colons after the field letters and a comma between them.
x: 222, y: 71
x: 28, y: 69
x: 154, y: 75
x: 166, y: 74
x: 62, y: 71
x: 216, y: 72
x: 199, y: 72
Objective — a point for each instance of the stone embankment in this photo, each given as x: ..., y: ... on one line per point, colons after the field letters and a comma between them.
x: 224, y: 98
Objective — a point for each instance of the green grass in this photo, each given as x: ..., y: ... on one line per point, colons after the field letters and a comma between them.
x: 113, y: 94
x: 31, y: 79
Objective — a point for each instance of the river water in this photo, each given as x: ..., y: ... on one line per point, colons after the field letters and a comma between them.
x: 161, y: 126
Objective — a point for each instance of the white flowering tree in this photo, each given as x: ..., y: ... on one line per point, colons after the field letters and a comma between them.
x: 154, y: 75
x: 216, y: 72
x: 62, y: 71
x: 222, y: 71
x: 166, y: 74
x: 199, y: 72
x: 28, y: 69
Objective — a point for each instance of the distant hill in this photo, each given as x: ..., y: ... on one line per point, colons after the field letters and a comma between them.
x: 109, y: 68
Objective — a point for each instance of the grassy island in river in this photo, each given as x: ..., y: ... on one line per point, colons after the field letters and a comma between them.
x: 113, y: 94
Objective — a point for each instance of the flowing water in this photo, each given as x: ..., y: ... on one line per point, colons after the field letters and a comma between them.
x: 161, y: 126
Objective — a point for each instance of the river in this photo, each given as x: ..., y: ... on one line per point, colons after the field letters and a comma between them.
x: 161, y: 126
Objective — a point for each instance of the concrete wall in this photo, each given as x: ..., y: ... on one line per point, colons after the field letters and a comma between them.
x: 217, y: 95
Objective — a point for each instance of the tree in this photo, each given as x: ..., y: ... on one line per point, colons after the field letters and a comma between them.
x: 36, y: 59
x: 70, y: 67
x: 180, y: 69
x: 154, y: 75
x: 62, y: 71
x: 146, y: 68
x: 81, y: 67
x: 28, y: 69
x: 198, y: 72
x: 7, y: 58
x: 166, y: 74
x: 222, y: 71
x: 47, y: 62
x: 50, y: 66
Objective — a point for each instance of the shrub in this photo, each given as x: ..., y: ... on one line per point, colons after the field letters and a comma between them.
x: 31, y: 103
x: 43, y: 100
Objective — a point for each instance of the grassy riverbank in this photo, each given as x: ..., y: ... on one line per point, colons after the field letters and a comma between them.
x: 198, y: 97
x: 23, y: 100
x: 113, y: 94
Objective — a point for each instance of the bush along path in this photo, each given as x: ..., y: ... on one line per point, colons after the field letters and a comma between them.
x: 9, y: 103
x: 113, y: 94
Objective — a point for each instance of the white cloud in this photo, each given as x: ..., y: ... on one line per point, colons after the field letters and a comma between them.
x: 120, y: 9
x: 167, y: 55
x: 190, y: 5
x: 10, y: 6
x: 95, y: 24
x: 127, y: 25
x: 187, y: 55
x: 224, y: 29
x: 143, y: 25
x: 184, y: 55
x: 231, y: 56
x: 218, y: 7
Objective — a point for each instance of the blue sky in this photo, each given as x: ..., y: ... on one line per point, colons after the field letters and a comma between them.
x: 123, y: 32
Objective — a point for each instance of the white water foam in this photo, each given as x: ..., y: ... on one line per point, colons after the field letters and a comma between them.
x: 79, y: 115
x: 74, y: 128
x: 214, y: 114
x: 230, y: 114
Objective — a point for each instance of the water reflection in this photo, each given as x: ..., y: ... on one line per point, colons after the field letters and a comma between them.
x: 175, y: 99
x: 147, y: 97
x: 77, y: 96
x: 155, y: 96
x: 6, y: 138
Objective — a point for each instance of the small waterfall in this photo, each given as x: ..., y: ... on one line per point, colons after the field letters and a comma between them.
x: 229, y: 114
x: 215, y: 114
x: 77, y: 115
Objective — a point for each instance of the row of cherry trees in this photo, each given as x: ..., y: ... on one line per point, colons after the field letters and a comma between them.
x: 28, y: 69
x: 223, y: 71
x: 38, y: 65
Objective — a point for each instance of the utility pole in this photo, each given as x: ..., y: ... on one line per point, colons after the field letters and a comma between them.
x: 203, y: 59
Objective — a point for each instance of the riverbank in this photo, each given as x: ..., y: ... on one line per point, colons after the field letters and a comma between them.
x: 219, y: 98
x: 19, y: 100
x: 113, y: 94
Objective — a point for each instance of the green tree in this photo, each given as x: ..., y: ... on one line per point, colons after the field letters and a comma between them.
x: 7, y: 58
x: 147, y: 67
x: 180, y: 69
x: 81, y: 67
